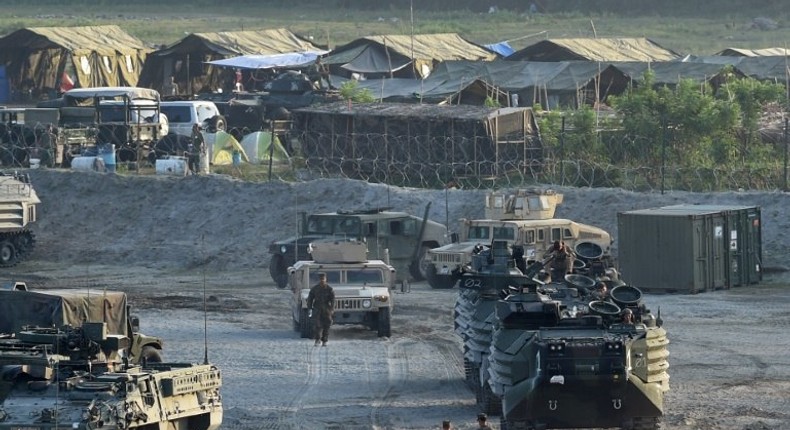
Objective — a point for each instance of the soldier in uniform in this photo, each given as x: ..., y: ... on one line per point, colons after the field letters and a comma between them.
x: 321, y: 302
x: 561, y: 260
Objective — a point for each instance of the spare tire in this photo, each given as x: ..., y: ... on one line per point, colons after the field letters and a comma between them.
x: 217, y: 123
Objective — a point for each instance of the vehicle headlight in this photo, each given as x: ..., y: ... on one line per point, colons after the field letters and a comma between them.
x: 283, y: 248
x: 381, y: 298
x: 366, y: 303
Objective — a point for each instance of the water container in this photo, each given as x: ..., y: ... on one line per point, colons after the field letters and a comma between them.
x: 175, y: 166
x: 35, y: 163
x: 83, y: 163
x: 107, y: 153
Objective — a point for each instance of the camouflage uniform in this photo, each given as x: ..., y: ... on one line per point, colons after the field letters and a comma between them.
x: 322, y: 301
x: 561, y: 260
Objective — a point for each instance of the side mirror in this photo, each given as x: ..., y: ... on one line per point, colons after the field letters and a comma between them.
x: 135, y: 321
x: 454, y: 237
x: 405, y: 287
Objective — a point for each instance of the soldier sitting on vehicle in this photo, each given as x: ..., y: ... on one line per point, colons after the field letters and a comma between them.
x: 627, y: 316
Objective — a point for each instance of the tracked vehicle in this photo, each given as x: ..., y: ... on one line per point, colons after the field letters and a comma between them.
x: 362, y: 287
x: 79, y: 378
x: 560, y: 360
x: 400, y: 238
x: 21, y: 307
x: 18, y: 202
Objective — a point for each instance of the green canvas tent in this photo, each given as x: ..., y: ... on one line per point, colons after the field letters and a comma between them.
x: 93, y: 56
x: 186, y: 59
x: 258, y: 146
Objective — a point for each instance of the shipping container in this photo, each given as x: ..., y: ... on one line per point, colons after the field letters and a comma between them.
x: 690, y: 248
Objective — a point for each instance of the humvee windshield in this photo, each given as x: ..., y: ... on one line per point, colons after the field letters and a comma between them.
x: 333, y: 225
x: 477, y: 232
x: 361, y: 276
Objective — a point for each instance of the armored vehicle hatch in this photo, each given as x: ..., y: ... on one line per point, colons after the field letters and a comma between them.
x: 522, y: 204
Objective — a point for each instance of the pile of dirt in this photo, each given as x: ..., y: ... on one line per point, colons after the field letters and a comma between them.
x: 181, y: 222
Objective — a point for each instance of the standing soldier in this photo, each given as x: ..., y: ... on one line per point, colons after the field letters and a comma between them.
x: 561, y: 260
x: 321, y: 302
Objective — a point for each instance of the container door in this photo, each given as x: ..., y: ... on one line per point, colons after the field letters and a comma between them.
x: 718, y: 253
x: 752, y: 245
x: 735, y: 242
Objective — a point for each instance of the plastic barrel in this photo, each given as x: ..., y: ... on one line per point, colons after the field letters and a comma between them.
x: 175, y: 166
x: 107, y: 153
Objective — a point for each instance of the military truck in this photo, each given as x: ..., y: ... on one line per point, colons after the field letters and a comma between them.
x: 18, y: 201
x: 87, y: 120
x: 20, y: 307
x: 80, y: 378
x: 400, y: 238
x: 561, y: 359
x: 362, y: 287
x: 445, y: 265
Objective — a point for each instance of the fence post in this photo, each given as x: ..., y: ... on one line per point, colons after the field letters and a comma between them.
x: 562, y: 151
x: 663, y: 150
x: 784, y: 176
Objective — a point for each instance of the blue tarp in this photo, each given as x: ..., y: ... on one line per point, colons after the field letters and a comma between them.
x: 290, y: 59
x: 502, y: 48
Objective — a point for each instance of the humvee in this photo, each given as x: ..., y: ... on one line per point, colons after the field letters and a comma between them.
x: 20, y: 308
x: 523, y: 218
x: 362, y: 287
x: 400, y: 238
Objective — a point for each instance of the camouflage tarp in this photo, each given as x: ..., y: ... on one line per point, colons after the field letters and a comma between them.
x: 93, y: 56
x: 55, y: 308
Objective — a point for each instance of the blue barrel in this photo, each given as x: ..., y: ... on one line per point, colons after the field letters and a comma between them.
x: 107, y: 153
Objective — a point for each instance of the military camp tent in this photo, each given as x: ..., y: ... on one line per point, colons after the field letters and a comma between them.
x: 402, y: 55
x: 670, y: 73
x: 765, y: 52
x: 774, y: 69
x: 614, y: 49
x: 94, y: 56
x: 510, y: 83
x: 186, y: 59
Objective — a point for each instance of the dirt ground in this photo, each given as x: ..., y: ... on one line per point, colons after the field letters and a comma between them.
x: 179, y: 245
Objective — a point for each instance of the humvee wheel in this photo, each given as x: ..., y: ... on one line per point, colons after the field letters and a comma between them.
x: 8, y: 254
x: 439, y: 282
x: 384, y: 326
x: 305, y: 326
x: 278, y: 271
x: 151, y: 355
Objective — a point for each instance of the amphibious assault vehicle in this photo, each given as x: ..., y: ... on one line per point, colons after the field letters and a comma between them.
x: 18, y: 202
x: 400, y: 238
x: 561, y: 359
x: 79, y: 378
x: 362, y: 287
x: 524, y: 218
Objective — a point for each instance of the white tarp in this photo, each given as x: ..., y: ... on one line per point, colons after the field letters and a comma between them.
x: 290, y: 59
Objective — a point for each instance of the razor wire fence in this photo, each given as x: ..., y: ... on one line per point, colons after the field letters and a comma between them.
x: 467, y: 162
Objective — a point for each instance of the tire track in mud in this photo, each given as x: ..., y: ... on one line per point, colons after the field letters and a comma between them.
x: 316, y: 368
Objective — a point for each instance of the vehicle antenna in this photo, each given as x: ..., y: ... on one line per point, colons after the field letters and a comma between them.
x: 205, y: 312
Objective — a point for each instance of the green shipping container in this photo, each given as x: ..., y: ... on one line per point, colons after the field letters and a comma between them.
x: 690, y: 248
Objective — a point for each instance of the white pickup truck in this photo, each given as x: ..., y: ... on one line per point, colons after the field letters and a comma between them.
x: 183, y: 114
